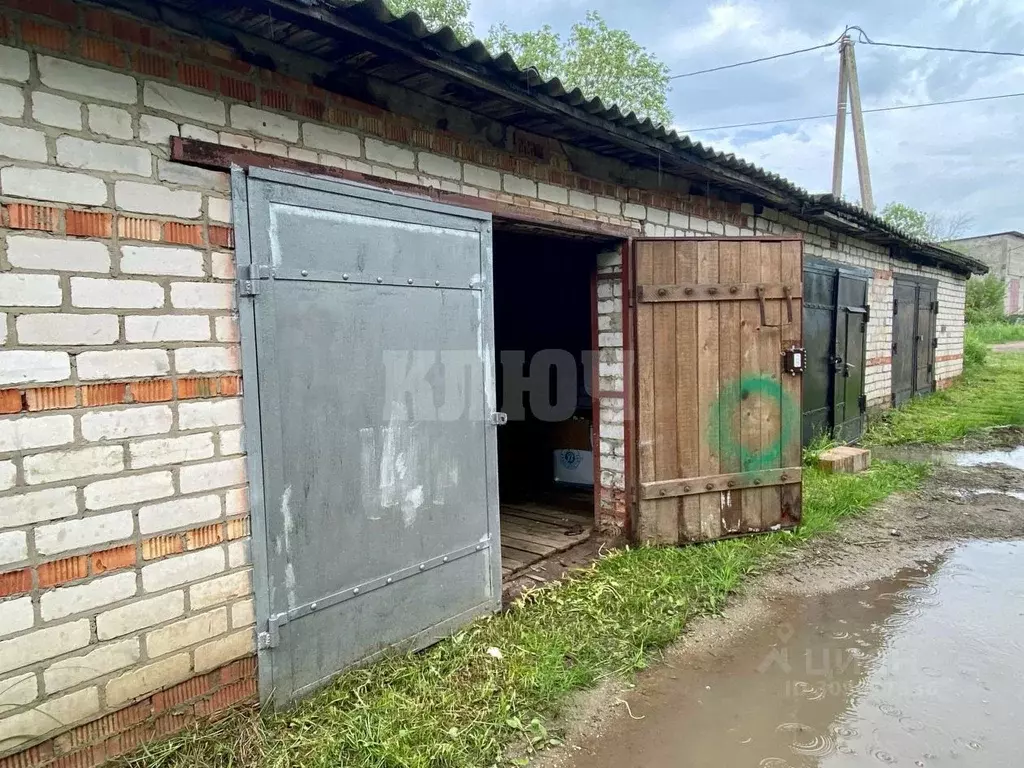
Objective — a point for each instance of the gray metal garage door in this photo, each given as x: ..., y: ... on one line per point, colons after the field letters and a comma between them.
x: 367, y: 349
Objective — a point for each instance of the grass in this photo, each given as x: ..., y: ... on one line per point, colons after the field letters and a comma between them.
x: 986, y: 396
x: 995, y: 333
x: 455, y: 704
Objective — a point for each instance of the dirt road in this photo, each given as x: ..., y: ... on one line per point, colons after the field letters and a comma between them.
x: 900, y: 640
x: 1013, y: 346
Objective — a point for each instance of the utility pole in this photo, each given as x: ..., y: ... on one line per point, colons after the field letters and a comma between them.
x: 849, y: 85
x: 844, y: 87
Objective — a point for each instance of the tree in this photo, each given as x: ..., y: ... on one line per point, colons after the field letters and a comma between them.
x: 597, y: 59
x: 930, y: 227
x: 438, y: 13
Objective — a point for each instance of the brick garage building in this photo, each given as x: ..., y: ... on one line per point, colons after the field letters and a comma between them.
x: 127, y: 601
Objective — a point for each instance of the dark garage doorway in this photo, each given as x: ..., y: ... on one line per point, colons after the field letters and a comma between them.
x: 544, y: 331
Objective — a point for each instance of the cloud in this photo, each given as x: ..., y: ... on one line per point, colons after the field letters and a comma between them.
x: 940, y: 159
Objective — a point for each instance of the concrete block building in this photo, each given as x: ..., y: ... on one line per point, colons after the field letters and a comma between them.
x: 1003, y: 253
x: 190, y: 189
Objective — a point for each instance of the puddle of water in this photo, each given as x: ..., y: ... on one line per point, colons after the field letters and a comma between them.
x: 982, y: 491
x: 1013, y: 458
x: 921, y: 670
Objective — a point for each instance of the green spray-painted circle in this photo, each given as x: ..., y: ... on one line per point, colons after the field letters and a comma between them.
x: 722, y: 418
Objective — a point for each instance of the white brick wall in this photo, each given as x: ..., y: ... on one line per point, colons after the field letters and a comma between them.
x: 58, y: 254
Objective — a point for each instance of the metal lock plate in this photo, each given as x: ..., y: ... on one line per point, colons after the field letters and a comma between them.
x: 793, y: 360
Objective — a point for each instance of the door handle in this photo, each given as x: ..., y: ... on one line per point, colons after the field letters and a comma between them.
x: 846, y: 370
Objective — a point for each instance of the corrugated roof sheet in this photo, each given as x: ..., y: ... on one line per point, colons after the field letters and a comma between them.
x: 472, y: 61
x: 504, y: 66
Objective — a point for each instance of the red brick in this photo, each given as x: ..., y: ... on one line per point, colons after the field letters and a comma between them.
x: 394, y: 131
x: 207, y: 536
x: 222, y: 237
x: 10, y: 401
x: 131, y: 228
x: 102, y: 51
x: 181, y: 693
x: 162, y: 546
x: 314, y: 109
x: 183, y: 234
x: 104, y: 394
x: 128, y: 741
x: 97, y: 20
x: 126, y: 29
x: 149, y: 63
x: 90, y: 757
x: 275, y: 100
x: 189, y: 389
x: 172, y: 722
x: 104, y: 727
x: 236, y: 670
x: 113, y: 559
x: 50, y: 398
x: 88, y: 223
x: 237, y: 89
x: 238, y: 528
x: 153, y: 391
x: 153, y: 37
x: 342, y: 117
x: 44, y: 35
x: 15, y: 583
x: 62, y: 571
x: 29, y: 758
x: 197, y: 75
x: 61, y: 10
x: 25, y: 216
x: 231, y: 385
x: 227, y: 697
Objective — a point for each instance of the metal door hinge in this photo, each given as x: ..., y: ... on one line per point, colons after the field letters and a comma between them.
x: 894, y: 347
x: 895, y: 307
x: 271, y: 638
x: 249, y: 276
x: 935, y: 343
x: 934, y: 307
x: 862, y: 403
x: 867, y: 314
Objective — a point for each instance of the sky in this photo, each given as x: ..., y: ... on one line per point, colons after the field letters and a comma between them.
x: 945, y: 160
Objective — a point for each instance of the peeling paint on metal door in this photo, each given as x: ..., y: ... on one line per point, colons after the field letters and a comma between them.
x: 367, y: 348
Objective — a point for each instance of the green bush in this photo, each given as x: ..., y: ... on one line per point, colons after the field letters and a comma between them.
x: 986, y: 297
x: 975, y: 351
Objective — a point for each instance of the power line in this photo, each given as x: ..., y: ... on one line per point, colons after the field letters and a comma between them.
x: 876, y: 109
x: 757, y: 61
x: 862, y: 38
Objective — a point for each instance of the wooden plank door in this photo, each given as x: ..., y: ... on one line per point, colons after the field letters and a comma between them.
x: 718, y: 421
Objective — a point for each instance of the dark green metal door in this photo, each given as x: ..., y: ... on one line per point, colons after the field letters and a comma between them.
x: 835, y: 325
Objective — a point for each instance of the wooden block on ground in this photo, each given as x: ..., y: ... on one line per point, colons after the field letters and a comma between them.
x: 845, y: 460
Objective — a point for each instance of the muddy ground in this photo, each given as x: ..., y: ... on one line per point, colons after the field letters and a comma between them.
x: 956, y: 504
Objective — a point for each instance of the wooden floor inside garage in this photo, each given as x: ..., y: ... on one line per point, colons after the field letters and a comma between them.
x: 532, y: 531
